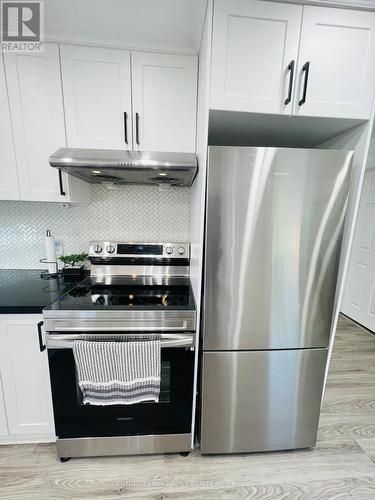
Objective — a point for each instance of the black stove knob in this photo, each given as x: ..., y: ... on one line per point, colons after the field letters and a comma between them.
x: 100, y: 300
x: 97, y: 249
x: 110, y: 249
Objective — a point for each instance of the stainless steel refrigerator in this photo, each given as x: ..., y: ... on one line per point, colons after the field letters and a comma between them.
x: 274, y: 223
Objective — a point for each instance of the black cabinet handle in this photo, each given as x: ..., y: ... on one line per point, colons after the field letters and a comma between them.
x: 291, y: 77
x: 62, y: 192
x: 126, y: 127
x: 42, y: 346
x: 305, y: 69
x: 137, y: 128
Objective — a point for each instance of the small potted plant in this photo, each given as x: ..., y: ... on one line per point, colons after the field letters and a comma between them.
x: 71, y: 268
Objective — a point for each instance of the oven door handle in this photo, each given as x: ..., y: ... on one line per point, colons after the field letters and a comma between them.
x: 62, y: 341
x: 128, y: 325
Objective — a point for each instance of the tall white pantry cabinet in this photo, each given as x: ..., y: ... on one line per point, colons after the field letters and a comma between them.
x: 264, y: 66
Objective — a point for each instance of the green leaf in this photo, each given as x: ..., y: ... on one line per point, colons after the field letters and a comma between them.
x: 73, y: 258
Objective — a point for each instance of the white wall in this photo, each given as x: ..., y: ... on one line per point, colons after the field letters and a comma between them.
x: 162, y: 25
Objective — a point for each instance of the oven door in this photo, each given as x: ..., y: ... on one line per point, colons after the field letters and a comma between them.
x: 171, y: 415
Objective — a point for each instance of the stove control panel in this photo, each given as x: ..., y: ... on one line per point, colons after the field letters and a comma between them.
x: 107, y: 249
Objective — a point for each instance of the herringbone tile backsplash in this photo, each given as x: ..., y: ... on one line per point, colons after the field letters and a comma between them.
x: 134, y: 213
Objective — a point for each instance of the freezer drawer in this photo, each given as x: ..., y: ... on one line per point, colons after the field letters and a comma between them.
x: 261, y: 400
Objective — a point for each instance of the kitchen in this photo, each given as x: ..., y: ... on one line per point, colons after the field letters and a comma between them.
x: 168, y: 138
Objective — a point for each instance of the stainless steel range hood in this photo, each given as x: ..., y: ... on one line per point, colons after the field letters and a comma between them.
x: 127, y: 167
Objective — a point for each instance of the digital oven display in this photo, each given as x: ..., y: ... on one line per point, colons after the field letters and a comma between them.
x: 139, y: 249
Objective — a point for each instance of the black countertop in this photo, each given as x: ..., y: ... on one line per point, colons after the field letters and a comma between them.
x: 23, y: 291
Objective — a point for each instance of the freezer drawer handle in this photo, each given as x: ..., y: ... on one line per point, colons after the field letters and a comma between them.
x: 305, y: 69
x: 291, y: 77
x: 42, y: 346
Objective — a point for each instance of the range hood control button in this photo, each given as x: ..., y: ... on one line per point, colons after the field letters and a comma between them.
x: 97, y: 249
x: 169, y: 250
x: 181, y: 250
x: 110, y: 249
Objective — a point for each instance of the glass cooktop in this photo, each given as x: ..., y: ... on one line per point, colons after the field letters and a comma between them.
x: 127, y: 292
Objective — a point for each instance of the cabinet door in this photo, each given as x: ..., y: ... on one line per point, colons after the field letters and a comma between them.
x: 97, y: 97
x: 25, y: 378
x: 339, y: 47
x: 35, y: 100
x: 9, y: 189
x: 164, y: 102
x: 254, y: 43
x: 261, y: 400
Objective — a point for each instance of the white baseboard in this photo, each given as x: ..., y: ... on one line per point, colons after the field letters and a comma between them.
x: 29, y: 439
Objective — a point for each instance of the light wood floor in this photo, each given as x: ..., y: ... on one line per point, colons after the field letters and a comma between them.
x: 341, y: 467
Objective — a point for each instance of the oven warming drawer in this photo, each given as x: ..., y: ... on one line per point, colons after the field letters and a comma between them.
x: 123, y: 445
x: 116, y: 321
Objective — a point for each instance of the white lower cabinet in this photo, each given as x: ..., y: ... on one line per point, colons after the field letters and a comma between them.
x: 27, y: 405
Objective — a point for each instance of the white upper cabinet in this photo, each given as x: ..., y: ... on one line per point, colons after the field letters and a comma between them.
x: 35, y: 101
x: 97, y: 97
x: 37, y: 115
x: 164, y: 102
x: 255, y: 66
x: 254, y: 54
x: 9, y: 189
x: 106, y: 108
x: 338, y: 48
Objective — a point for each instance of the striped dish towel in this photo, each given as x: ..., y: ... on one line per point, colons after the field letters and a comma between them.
x: 112, y: 373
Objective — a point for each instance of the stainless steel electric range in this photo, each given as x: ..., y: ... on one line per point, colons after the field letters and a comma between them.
x: 138, y: 288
